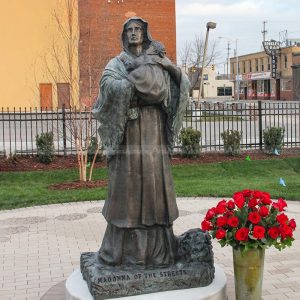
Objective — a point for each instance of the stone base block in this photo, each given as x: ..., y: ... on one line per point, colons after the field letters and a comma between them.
x: 77, y: 289
x: 193, y: 268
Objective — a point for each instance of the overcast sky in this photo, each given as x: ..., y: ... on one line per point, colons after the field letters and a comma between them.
x: 237, y: 19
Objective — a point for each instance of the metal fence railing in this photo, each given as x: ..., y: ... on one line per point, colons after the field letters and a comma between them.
x: 19, y: 128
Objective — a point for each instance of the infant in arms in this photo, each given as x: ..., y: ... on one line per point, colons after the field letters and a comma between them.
x: 147, y: 74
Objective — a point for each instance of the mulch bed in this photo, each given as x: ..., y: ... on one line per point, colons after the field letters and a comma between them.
x: 30, y: 163
x: 74, y: 185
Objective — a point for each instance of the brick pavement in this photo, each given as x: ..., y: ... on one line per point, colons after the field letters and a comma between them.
x: 40, y: 247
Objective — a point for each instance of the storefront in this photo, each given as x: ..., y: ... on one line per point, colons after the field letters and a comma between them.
x: 258, y: 85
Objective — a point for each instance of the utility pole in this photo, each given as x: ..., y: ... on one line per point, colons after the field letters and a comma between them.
x: 237, y: 70
x: 264, y: 30
x: 228, y: 49
x: 283, y: 37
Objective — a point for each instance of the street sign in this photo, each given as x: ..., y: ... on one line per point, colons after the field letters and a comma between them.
x: 271, y: 46
x: 274, y: 65
x: 272, y: 49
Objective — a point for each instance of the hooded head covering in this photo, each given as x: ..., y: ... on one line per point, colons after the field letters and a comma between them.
x: 147, y: 39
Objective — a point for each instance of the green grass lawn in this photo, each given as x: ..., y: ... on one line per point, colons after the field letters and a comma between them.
x: 20, y: 189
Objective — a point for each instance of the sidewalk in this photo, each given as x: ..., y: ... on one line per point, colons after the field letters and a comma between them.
x: 40, y: 247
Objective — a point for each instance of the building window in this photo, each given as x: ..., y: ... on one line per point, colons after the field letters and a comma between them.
x: 250, y: 66
x: 46, y: 95
x: 224, y: 91
x: 269, y: 64
x: 260, y: 86
x: 285, y: 61
x: 232, y: 68
x: 239, y: 70
x: 256, y: 65
x: 244, y: 67
x: 262, y: 64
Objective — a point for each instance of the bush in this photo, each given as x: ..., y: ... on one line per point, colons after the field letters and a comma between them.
x: 232, y: 141
x: 45, y: 147
x: 92, y: 150
x: 189, y: 139
x: 273, y: 139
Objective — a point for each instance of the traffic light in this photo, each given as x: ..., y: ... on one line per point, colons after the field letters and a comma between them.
x: 213, y: 67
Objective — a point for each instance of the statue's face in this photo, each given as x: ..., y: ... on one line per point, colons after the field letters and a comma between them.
x: 134, y: 33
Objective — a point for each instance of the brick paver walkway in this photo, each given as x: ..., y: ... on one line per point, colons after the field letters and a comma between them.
x: 40, y: 247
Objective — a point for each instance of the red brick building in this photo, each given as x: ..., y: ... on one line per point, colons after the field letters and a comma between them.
x: 101, y: 23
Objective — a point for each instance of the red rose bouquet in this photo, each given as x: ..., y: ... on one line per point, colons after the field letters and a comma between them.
x: 250, y: 220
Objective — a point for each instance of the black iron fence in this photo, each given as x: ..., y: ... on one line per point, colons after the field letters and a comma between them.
x: 19, y: 128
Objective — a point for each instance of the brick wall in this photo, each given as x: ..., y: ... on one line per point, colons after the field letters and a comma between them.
x: 286, y: 95
x: 101, y: 23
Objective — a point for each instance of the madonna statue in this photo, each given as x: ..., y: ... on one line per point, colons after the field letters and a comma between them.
x: 140, y: 106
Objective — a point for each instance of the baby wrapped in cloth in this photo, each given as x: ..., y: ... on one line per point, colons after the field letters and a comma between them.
x: 146, y: 73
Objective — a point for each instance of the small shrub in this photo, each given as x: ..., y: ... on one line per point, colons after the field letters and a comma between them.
x: 232, y: 142
x: 189, y: 139
x: 92, y: 150
x: 273, y: 139
x: 45, y: 147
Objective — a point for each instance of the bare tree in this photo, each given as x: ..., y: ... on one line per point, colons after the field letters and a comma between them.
x: 185, y: 55
x: 191, y: 56
x: 62, y: 65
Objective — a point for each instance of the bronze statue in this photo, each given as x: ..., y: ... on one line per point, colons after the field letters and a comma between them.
x: 140, y: 106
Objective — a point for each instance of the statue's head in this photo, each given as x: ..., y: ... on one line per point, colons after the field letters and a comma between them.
x: 135, y: 32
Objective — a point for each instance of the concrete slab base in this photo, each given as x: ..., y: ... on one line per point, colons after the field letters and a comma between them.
x: 77, y: 289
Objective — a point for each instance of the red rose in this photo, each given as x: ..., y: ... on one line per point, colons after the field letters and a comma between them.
x: 229, y: 213
x: 242, y: 234
x: 292, y: 223
x: 259, y: 232
x: 257, y: 194
x: 263, y: 211
x: 220, y: 233
x: 280, y: 204
x: 254, y: 217
x: 265, y: 198
x: 239, y: 199
x: 252, y: 202
x: 221, y: 207
x: 210, y: 213
x: 285, y: 231
x: 221, y: 221
x: 246, y: 193
x: 282, y: 219
x: 274, y: 232
x: 233, y: 222
x: 230, y: 204
x: 205, y: 225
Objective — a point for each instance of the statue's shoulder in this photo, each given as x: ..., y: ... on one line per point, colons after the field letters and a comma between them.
x: 113, y: 63
x: 115, y: 68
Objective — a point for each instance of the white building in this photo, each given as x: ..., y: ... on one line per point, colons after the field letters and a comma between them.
x: 215, y: 86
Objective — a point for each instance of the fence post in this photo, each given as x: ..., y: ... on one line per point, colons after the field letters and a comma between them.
x: 64, y: 129
x: 260, y: 125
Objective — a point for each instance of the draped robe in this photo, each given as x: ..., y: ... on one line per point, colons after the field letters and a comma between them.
x: 140, y: 114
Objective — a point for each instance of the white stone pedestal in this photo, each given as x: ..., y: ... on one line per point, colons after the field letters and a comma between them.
x: 77, y: 289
